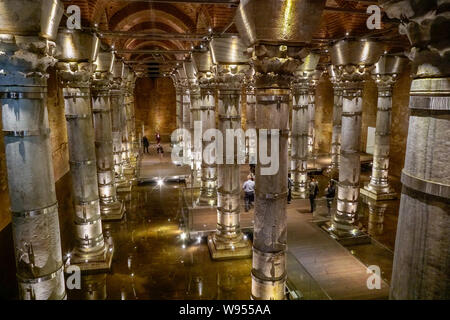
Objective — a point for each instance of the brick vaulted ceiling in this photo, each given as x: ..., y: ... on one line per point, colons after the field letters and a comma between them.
x: 339, y: 18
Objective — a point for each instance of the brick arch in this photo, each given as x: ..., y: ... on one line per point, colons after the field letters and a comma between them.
x: 139, y: 12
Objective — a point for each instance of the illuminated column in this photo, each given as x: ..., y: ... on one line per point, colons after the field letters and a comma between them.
x: 195, y: 118
x: 203, y: 63
x: 421, y: 257
x: 187, y: 138
x: 134, y: 142
x: 333, y: 170
x: 313, y: 80
x: 110, y: 207
x: 302, y: 87
x: 117, y: 105
x: 385, y: 75
x: 24, y: 59
x: 77, y: 52
x: 276, y: 22
x: 353, y: 69
x: 250, y: 144
x: 228, y: 242
x: 299, y: 136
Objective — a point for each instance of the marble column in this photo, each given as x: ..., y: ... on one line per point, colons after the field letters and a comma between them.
x: 270, y: 226
x: 333, y: 170
x: 77, y: 51
x: 206, y: 81
x: 299, y: 135
x: 385, y: 74
x: 28, y: 30
x: 228, y: 242
x: 111, y: 208
x: 313, y: 81
x: 187, y: 138
x: 195, y: 111
x: 353, y: 69
x: 117, y: 106
x: 251, y: 145
x: 422, y: 258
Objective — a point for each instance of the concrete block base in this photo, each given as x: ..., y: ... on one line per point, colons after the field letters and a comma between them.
x: 241, y: 250
x: 93, y: 263
x: 378, y: 196
x: 344, y: 238
x: 113, y: 211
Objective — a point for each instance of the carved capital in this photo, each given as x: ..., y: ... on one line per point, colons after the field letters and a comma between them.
x: 230, y: 77
x: 23, y: 58
x: 426, y: 24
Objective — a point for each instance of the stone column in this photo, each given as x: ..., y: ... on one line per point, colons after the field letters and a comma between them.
x: 228, y: 242
x: 353, y: 69
x: 333, y: 170
x: 179, y: 102
x: 421, y: 257
x: 250, y: 116
x: 24, y: 59
x: 208, y: 190
x: 187, y: 139
x: 385, y: 75
x: 312, y: 113
x: 77, y: 52
x: 117, y: 106
x: 111, y: 208
x: 299, y: 135
x: 270, y: 227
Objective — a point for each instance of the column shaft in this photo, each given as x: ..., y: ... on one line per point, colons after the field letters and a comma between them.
x: 270, y: 227
x: 345, y: 220
x: 336, y: 134
x: 31, y: 184
x: 299, y: 140
x: 111, y: 208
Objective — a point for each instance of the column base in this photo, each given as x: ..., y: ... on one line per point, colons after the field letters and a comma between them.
x: 378, y: 195
x: 89, y: 263
x: 206, y: 200
x: 346, y: 238
x: 124, y: 186
x: 112, y: 211
x: 223, y: 251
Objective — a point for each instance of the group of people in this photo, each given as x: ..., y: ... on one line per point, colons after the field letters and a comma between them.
x: 159, y: 148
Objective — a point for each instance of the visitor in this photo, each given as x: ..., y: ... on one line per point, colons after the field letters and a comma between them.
x: 290, y: 184
x: 160, y: 151
x: 330, y: 193
x: 313, y: 191
x: 146, y: 144
x: 249, y: 189
x: 158, y: 138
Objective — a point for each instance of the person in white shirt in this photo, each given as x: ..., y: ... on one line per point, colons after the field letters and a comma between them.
x: 249, y: 189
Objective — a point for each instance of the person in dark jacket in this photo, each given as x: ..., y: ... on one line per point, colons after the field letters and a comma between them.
x: 290, y: 184
x: 330, y: 193
x: 313, y: 192
x: 146, y: 144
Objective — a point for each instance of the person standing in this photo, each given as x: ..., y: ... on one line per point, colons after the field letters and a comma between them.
x: 290, y: 184
x: 146, y: 144
x: 249, y: 189
x: 158, y: 138
x: 160, y: 151
x: 330, y: 193
x: 313, y: 191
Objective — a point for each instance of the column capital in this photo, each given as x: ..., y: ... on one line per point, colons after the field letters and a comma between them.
x: 425, y: 27
x: 230, y: 77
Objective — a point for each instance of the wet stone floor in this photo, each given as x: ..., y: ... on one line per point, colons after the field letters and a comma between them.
x: 152, y: 261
